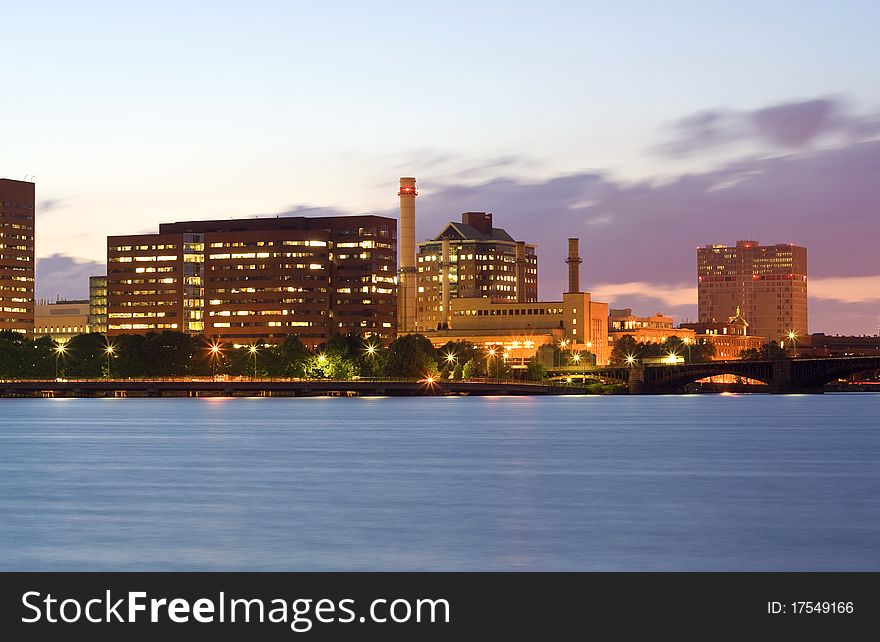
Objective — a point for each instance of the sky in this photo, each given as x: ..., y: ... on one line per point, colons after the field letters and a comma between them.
x: 644, y: 128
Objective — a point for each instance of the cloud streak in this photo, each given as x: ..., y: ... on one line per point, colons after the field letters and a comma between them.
x: 64, y: 276
x: 785, y: 127
x: 668, y: 295
x: 846, y: 289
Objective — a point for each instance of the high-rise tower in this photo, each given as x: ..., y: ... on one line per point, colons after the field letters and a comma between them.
x: 16, y: 256
x: 768, y: 283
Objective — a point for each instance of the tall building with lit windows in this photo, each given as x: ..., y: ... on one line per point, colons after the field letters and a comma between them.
x: 472, y: 259
x: 16, y: 256
x: 766, y: 283
x: 245, y: 281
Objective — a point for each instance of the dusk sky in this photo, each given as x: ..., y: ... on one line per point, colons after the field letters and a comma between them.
x: 644, y: 128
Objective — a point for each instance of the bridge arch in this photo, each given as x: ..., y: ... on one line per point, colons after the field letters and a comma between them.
x: 806, y: 372
x: 674, y: 377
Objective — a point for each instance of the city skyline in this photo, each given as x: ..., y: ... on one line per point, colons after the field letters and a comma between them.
x: 761, y: 126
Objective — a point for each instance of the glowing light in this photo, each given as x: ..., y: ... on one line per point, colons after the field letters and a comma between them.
x: 371, y: 350
x: 792, y: 335
x: 322, y: 358
x: 60, y: 349
x: 491, y: 352
x: 589, y: 345
x: 110, y: 350
x: 252, y: 349
x: 450, y: 357
x: 630, y: 359
x: 563, y: 343
x: 576, y: 357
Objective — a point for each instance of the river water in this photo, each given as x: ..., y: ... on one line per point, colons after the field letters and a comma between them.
x: 691, y: 482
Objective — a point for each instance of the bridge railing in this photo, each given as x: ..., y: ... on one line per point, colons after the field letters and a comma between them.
x: 243, y: 379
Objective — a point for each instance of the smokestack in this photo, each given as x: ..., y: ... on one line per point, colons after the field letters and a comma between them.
x: 520, y: 271
x: 406, y: 292
x: 444, y: 284
x: 574, y: 266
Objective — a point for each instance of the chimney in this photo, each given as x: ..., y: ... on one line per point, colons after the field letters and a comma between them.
x: 480, y: 220
x: 574, y: 266
x: 406, y: 291
x: 520, y: 271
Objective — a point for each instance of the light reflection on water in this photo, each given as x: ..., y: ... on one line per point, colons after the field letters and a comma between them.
x: 699, y: 482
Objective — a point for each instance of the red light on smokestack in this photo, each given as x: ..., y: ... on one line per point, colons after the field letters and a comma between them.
x: 407, y: 189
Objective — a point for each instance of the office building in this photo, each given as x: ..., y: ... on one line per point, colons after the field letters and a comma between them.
x: 730, y: 337
x: 245, y: 281
x: 575, y: 322
x: 472, y: 259
x: 820, y: 344
x: 17, y: 255
x: 61, y: 320
x: 98, y: 303
x: 767, y: 283
x: 653, y: 329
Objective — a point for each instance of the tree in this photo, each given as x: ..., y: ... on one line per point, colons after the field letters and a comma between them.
x: 693, y: 351
x: 536, y: 371
x: 768, y: 352
x: 624, y: 347
x: 240, y: 361
x: 172, y: 353
x: 411, y: 355
x: 498, y: 368
x: 13, y: 347
x: 347, y: 355
x: 86, y: 356
x: 39, y: 359
x: 470, y: 369
x: 294, y: 357
x: 460, y: 351
x: 129, y: 361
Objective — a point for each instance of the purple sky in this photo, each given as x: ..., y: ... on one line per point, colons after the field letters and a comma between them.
x: 811, y: 177
x: 644, y: 129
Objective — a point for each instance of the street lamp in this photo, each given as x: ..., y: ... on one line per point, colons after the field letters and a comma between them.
x: 253, y: 350
x: 110, y: 352
x: 630, y: 360
x: 450, y: 361
x: 492, y: 354
x: 371, y: 350
x: 59, y: 351
x: 214, y: 356
x: 792, y: 337
x: 687, y: 342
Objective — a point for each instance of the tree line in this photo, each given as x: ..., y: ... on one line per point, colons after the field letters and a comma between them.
x: 177, y: 354
x: 628, y: 351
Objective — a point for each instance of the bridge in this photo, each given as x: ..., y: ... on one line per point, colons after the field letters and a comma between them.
x: 782, y: 376
x: 250, y: 387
